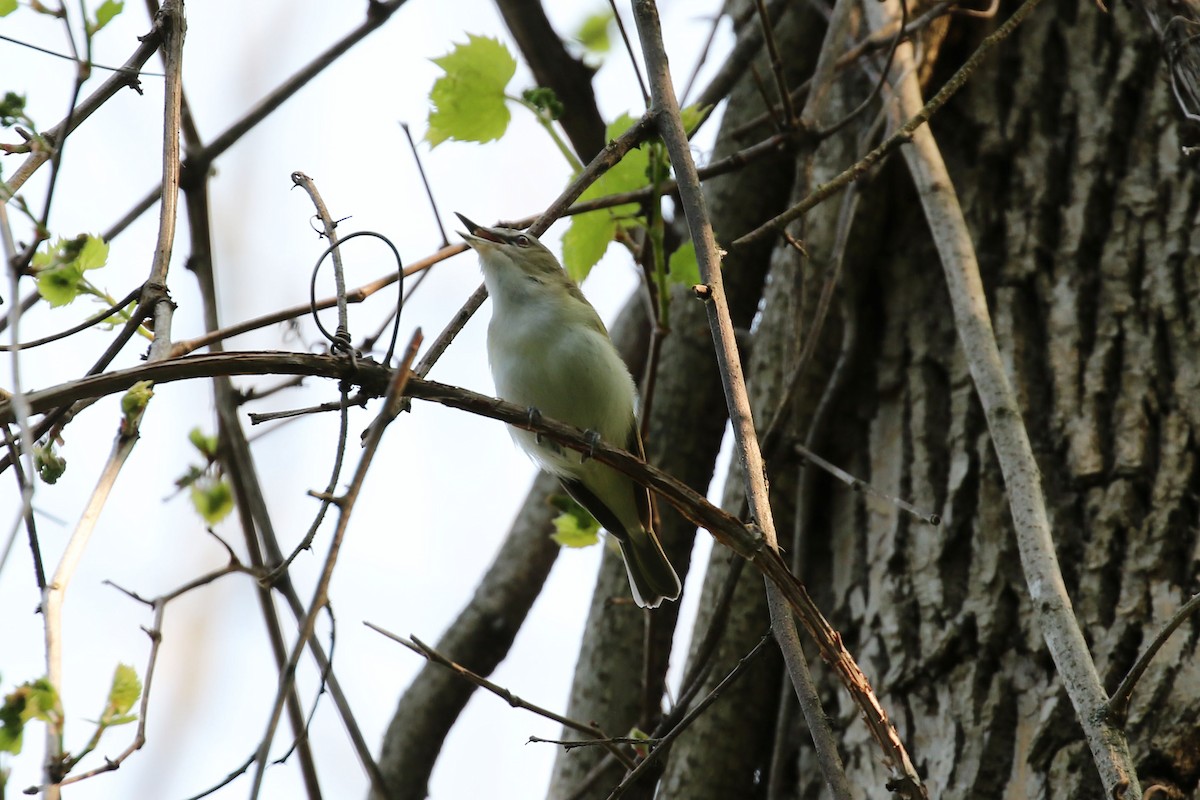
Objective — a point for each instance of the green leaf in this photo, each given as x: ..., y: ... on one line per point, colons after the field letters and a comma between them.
x: 125, y: 691
x: 49, y: 464
x: 589, y: 235
x: 7, y: 7
x: 60, y: 285
x: 586, y: 241
x: 213, y: 499
x: 12, y: 107
x: 593, y: 32
x: 134, y: 401
x: 207, y: 445
x: 61, y: 266
x: 31, y: 700
x: 692, y: 115
x: 468, y: 101
x: 93, y: 253
x: 104, y: 15
x: 637, y: 733
x: 545, y: 100
x: 574, y: 527
x: 682, y: 267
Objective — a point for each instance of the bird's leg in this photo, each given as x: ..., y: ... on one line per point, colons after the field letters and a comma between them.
x: 593, y: 438
x: 533, y: 416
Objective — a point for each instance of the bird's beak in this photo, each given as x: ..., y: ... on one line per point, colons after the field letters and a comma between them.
x: 478, y: 233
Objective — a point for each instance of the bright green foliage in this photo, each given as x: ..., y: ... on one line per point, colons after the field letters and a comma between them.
x: 637, y: 733
x: 49, y: 464
x: 682, y: 267
x: 207, y: 445
x: 61, y: 266
x: 212, y: 498
x: 125, y: 690
x: 544, y: 100
x: 691, y: 117
x: 104, y: 15
x: 593, y: 32
x: 31, y: 700
x: 12, y: 107
x: 586, y: 241
x: 134, y: 401
x: 7, y: 7
x: 574, y: 527
x: 469, y: 101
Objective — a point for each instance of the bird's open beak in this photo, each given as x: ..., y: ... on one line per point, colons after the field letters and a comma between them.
x: 476, y: 233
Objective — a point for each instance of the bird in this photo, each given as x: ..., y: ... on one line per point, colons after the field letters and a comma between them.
x: 550, y: 352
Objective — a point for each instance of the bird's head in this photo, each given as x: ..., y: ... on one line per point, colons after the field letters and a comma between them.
x: 510, y: 253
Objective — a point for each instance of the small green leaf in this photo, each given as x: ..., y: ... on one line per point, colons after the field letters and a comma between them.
x: 682, y: 267
x: 125, y: 691
x: 104, y: 15
x: 207, y: 445
x: 586, y: 241
x: 593, y: 32
x: 212, y: 499
x: 31, y: 700
x: 60, y: 285
x: 12, y: 107
x: 545, y: 100
x: 574, y: 527
x: 691, y: 117
x: 134, y: 401
x: 589, y: 235
x: 61, y: 266
x: 637, y: 733
x: 7, y: 7
x: 93, y: 253
x: 49, y: 464
x: 468, y: 101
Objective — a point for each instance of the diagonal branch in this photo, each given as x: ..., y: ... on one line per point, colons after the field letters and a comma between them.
x: 665, y: 109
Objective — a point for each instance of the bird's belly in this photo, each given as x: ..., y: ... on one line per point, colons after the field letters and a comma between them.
x: 576, y: 378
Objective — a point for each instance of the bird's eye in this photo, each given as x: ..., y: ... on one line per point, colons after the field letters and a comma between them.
x: 522, y: 240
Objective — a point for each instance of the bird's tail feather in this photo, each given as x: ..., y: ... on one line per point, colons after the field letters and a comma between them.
x: 651, y: 575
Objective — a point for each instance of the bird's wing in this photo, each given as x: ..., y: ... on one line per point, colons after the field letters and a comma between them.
x: 641, y: 493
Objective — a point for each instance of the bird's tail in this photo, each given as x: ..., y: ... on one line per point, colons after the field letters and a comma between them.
x: 651, y: 575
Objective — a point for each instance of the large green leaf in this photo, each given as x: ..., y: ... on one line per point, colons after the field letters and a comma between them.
x: 468, y: 101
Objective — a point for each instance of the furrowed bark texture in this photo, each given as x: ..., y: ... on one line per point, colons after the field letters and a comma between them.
x: 1065, y: 152
x: 686, y: 426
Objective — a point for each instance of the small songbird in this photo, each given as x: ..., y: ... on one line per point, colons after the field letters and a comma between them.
x: 550, y: 351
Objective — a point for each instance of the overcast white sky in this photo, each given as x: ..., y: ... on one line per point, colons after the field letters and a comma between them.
x: 444, y: 488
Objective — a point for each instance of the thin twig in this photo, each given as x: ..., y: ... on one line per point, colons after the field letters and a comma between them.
x: 346, y: 502
x: 431, y: 654
x: 95, y: 319
x: 683, y: 725
x: 666, y: 111
x: 902, y: 135
x: 412, y: 146
x: 341, y: 339
x: 789, y: 110
x: 56, y: 588
x: 637, y: 70
x: 1118, y: 704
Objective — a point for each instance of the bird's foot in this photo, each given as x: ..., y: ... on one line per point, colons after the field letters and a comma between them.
x: 534, y: 416
x: 593, y: 439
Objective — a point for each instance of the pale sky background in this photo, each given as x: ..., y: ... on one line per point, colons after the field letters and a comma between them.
x: 444, y: 487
